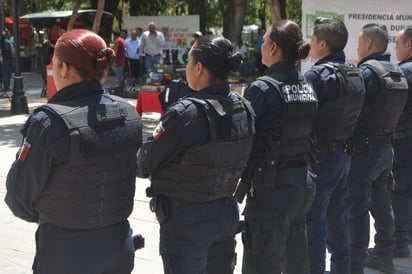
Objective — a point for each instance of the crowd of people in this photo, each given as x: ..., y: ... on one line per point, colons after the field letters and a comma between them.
x: 314, y: 154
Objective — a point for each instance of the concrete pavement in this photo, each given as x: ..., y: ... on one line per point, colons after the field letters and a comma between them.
x: 17, y: 245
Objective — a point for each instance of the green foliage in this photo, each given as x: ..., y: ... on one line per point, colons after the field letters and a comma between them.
x: 294, y: 11
x: 214, y: 17
x: 254, y: 10
x: 257, y: 11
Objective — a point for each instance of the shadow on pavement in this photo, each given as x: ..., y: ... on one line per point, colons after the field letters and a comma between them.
x: 10, y: 135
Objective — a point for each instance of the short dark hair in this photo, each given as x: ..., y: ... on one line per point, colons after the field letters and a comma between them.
x: 333, y: 31
x: 116, y: 33
x: 378, y: 33
x: 216, y: 54
x: 407, y: 34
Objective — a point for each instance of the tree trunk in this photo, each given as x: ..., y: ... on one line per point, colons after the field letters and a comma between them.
x: 72, y: 19
x: 199, y: 7
x: 277, y: 9
x: 234, y: 15
x: 98, y: 17
x: 262, y: 14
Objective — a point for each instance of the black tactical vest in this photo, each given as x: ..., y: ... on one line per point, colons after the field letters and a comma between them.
x: 337, y: 118
x: 95, y: 188
x: 404, y: 126
x: 296, y: 124
x: 211, y: 171
x: 382, y: 114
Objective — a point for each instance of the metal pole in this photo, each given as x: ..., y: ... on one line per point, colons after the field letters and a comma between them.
x: 18, y: 100
x: 2, y: 22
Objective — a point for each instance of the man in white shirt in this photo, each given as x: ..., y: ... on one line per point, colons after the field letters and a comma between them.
x: 151, y: 45
x: 132, y: 53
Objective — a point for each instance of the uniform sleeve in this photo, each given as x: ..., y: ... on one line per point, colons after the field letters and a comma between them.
x: 314, y: 79
x: 324, y: 84
x: 257, y: 100
x: 45, y: 144
x: 266, y: 103
x: 180, y: 127
x: 372, y: 84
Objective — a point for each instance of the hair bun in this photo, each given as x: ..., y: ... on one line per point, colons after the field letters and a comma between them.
x: 105, y: 57
x: 235, y: 60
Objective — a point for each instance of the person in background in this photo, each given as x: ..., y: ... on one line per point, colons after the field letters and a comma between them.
x: 132, y: 54
x: 124, y: 34
x: 258, y: 54
x: 75, y: 172
x: 402, y: 162
x: 370, y: 176
x: 142, y: 68
x: 277, y: 181
x: 243, y: 49
x: 340, y: 101
x: 119, y: 48
x: 7, y: 64
x: 194, y: 160
x: 151, y: 46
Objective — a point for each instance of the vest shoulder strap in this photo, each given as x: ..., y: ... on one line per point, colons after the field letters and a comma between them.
x: 349, y: 76
x: 389, y: 78
x: 270, y: 80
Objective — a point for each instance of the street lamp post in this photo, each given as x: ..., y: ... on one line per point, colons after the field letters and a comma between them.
x: 2, y: 23
x: 18, y: 100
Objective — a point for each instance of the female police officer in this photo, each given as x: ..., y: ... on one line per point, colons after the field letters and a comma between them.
x: 194, y: 159
x: 76, y: 169
x: 280, y: 192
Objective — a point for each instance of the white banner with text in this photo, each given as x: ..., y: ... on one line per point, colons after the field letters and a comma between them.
x: 394, y: 14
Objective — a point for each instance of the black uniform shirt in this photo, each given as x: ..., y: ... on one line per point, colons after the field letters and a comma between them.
x: 183, y: 125
x: 324, y: 80
x: 266, y: 100
x: 46, y: 144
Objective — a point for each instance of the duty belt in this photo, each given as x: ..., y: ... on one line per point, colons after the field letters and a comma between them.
x: 372, y: 141
x: 333, y: 147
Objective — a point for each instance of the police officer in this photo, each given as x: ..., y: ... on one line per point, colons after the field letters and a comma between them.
x: 280, y: 187
x: 76, y: 170
x: 402, y: 165
x: 194, y: 159
x: 370, y: 176
x: 340, y: 90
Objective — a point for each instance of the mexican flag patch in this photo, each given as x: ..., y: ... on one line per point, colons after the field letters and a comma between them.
x: 24, y: 150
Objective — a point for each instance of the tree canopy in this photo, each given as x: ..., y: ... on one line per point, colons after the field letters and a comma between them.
x: 230, y: 15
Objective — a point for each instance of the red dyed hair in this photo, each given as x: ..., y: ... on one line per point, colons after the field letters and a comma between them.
x: 86, y: 51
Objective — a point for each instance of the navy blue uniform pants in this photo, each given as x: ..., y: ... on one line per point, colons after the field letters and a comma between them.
x: 91, y: 251
x: 199, y: 238
x: 327, y: 219
x: 402, y: 193
x: 370, y: 179
x: 275, y: 231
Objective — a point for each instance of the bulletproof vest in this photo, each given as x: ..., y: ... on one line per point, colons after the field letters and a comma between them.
x: 336, y: 119
x: 380, y: 116
x: 296, y: 123
x: 95, y: 188
x: 211, y: 171
x: 404, y: 127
